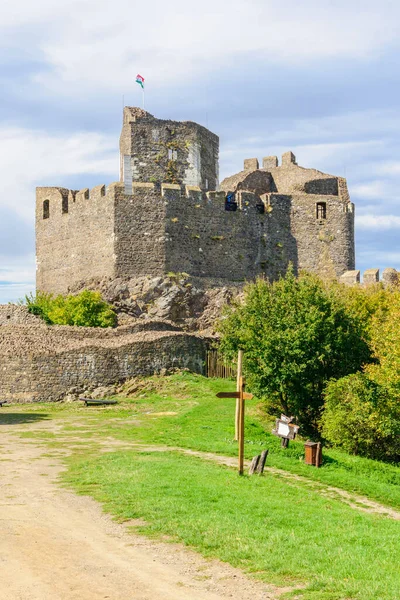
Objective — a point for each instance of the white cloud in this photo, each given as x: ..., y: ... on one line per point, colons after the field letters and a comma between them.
x: 32, y: 158
x: 378, y: 222
x: 17, y: 277
x: 94, y: 44
x: 371, y: 190
x: 390, y: 168
x: 14, y: 292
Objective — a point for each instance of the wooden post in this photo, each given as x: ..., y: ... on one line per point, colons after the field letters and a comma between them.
x: 242, y: 396
x: 241, y: 425
x: 254, y: 464
x: 239, y: 374
x: 284, y: 442
x: 318, y: 455
x: 262, y: 461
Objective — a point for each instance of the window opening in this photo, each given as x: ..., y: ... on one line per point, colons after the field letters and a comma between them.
x: 230, y: 203
x: 172, y: 155
x: 321, y: 210
x: 64, y: 205
x: 260, y: 208
x: 46, y: 209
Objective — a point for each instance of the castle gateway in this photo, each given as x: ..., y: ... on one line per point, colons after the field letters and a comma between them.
x: 168, y: 213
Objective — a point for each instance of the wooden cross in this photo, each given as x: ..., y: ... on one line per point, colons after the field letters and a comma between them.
x: 242, y: 396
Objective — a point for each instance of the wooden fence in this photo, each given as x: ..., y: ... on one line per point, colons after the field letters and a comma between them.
x: 218, y: 366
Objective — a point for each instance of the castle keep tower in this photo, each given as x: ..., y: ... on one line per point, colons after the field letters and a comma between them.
x: 166, y: 214
x: 159, y: 151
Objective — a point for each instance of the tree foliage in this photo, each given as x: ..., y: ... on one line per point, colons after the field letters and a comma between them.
x: 362, y: 413
x: 296, y: 335
x: 362, y: 417
x: 86, y: 309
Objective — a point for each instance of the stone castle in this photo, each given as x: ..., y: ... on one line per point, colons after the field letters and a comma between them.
x: 168, y: 213
x: 168, y: 246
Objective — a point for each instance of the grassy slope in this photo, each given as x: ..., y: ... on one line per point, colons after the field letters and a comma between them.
x: 279, y: 531
x: 283, y: 531
x: 203, y: 422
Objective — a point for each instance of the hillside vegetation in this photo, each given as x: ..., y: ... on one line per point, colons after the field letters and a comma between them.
x: 326, y: 354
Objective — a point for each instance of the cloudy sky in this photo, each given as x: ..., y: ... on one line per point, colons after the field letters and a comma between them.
x: 318, y: 77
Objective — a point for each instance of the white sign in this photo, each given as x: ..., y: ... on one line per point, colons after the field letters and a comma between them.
x: 283, y: 429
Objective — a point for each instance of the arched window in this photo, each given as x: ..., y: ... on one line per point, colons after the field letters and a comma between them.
x: 46, y: 209
x: 321, y: 210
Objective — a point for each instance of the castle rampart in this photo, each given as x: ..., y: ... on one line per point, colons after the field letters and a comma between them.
x: 371, y: 276
x: 42, y: 363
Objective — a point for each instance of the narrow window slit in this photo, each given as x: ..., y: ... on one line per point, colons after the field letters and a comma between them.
x: 321, y: 210
x: 46, y: 209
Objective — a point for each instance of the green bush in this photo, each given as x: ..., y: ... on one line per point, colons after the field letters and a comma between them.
x: 362, y: 417
x: 86, y: 309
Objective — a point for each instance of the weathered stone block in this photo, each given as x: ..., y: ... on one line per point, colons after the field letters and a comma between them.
x: 288, y: 159
x: 390, y: 276
x: 350, y: 277
x: 371, y: 276
x: 251, y: 164
x: 270, y: 162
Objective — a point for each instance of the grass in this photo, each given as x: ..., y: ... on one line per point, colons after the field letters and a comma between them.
x: 281, y: 533
x: 182, y: 410
x: 282, y: 530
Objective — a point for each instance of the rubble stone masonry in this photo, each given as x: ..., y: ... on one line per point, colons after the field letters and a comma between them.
x: 44, y: 363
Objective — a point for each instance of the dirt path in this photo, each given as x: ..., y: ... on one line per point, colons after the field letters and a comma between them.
x: 355, y: 501
x: 58, y: 546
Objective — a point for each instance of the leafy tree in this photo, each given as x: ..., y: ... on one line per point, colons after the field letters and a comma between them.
x: 296, y: 335
x: 86, y: 309
x: 362, y: 417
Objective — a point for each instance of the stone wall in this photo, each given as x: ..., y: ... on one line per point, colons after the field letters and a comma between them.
x: 173, y: 229
x: 140, y: 232
x: 75, y: 238
x: 45, y: 364
x: 205, y: 240
x: 324, y: 246
x: 12, y: 314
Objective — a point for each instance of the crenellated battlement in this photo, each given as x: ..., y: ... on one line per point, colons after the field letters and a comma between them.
x: 371, y: 276
x: 61, y: 201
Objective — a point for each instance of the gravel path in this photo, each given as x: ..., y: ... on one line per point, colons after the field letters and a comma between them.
x: 55, y: 545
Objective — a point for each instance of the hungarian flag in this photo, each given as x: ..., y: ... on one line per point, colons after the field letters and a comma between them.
x: 140, y: 80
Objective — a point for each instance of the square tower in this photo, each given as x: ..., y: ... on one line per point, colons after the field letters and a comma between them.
x: 163, y: 151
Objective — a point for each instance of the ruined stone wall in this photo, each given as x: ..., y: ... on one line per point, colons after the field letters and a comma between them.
x: 49, y: 373
x: 13, y: 314
x: 311, y: 220
x: 156, y: 150
x: 205, y: 240
x: 173, y: 228
x: 74, y: 236
x: 140, y: 232
x: 324, y: 245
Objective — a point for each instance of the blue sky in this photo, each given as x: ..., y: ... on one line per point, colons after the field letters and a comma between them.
x: 318, y: 77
